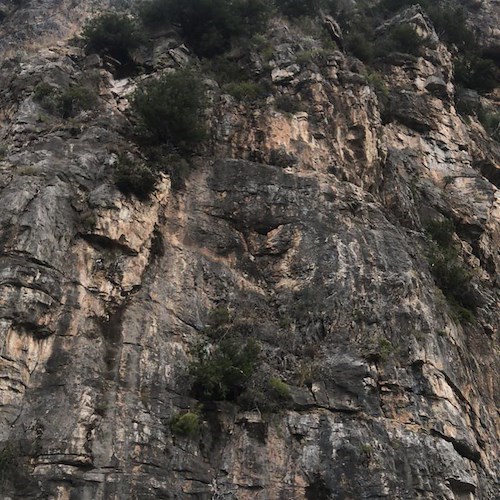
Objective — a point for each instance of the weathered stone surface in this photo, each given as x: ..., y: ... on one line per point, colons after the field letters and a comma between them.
x: 324, y: 256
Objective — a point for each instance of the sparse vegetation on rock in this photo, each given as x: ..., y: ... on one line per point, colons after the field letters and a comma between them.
x: 208, y: 26
x: 185, y: 424
x: 170, y: 109
x: 134, y: 178
x: 221, y: 371
x: 112, y: 34
x: 66, y: 103
x: 450, y: 274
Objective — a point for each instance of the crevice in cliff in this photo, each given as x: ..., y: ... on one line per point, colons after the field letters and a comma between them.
x: 23, y: 257
x: 460, y: 487
x: 99, y: 241
x: 29, y: 286
x: 40, y: 331
x: 489, y: 170
x: 461, y: 447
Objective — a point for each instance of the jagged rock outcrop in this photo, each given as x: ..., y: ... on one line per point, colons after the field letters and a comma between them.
x: 309, y: 227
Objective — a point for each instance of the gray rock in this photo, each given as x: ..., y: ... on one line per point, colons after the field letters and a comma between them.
x: 104, y: 298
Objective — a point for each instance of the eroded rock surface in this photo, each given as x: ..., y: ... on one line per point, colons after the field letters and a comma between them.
x: 309, y: 226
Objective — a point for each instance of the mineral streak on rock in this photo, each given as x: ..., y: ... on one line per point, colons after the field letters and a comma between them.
x: 307, y: 225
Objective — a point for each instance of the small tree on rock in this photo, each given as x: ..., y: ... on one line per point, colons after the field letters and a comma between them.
x: 170, y: 109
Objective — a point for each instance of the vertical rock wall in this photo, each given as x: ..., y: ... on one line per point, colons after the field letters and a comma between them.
x: 308, y: 227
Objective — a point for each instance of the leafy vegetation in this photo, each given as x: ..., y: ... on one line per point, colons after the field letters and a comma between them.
x: 472, y: 68
x: 300, y: 8
x: 385, y: 348
x: 185, y: 424
x: 231, y: 366
x: 280, y: 389
x: 170, y: 109
x: 403, y: 38
x: 474, y: 72
x: 490, y: 120
x: 450, y: 275
x: 208, y: 26
x: 362, y: 42
x: 360, y: 46
x: 221, y: 372
x: 245, y: 91
x: 113, y: 34
x: 134, y: 178
x: 76, y: 99
x: 68, y: 103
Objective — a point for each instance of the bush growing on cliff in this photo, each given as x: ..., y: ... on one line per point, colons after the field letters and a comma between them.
x: 134, y: 178
x: 300, y: 8
x: 76, y: 99
x: 222, y: 372
x: 402, y: 38
x: 245, y: 91
x: 113, y: 34
x: 185, y: 424
x: 450, y: 275
x: 67, y: 103
x: 491, y: 122
x: 170, y: 109
x: 474, y: 72
x: 208, y: 25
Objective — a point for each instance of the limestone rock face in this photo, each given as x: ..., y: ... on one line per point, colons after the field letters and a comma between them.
x: 308, y: 226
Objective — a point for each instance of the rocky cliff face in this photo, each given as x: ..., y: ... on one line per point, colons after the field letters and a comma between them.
x: 308, y: 227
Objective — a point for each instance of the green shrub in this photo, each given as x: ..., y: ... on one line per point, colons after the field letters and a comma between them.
x: 266, y: 392
x: 208, y: 25
x: 161, y: 158
x: 134, y: 178
x: 465, y: 105
x: 490, y: 121
x: 448, y: 271
x: 279, y: 388
x: 474, y: 72
x: 385, y: 348
x: 76, y: 99
x: 245, y: 91
x: 68, y: 103
x: 156, y: 13
x: 42, y: 90
x: 221, y: 373
x: 185, y: 424
x: 381, y: 89
x: 47, y: 96
x: 360, y: 46
x: 451, y: 26
x: 227, y: 71
x: 461, y: 314
x: 218, y: 322
x: 449, y: 21
x: 112, y: 34
x: 170, y: 109
x: 441, y: 231
x: 299, y: 8
x: 403, y: 38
